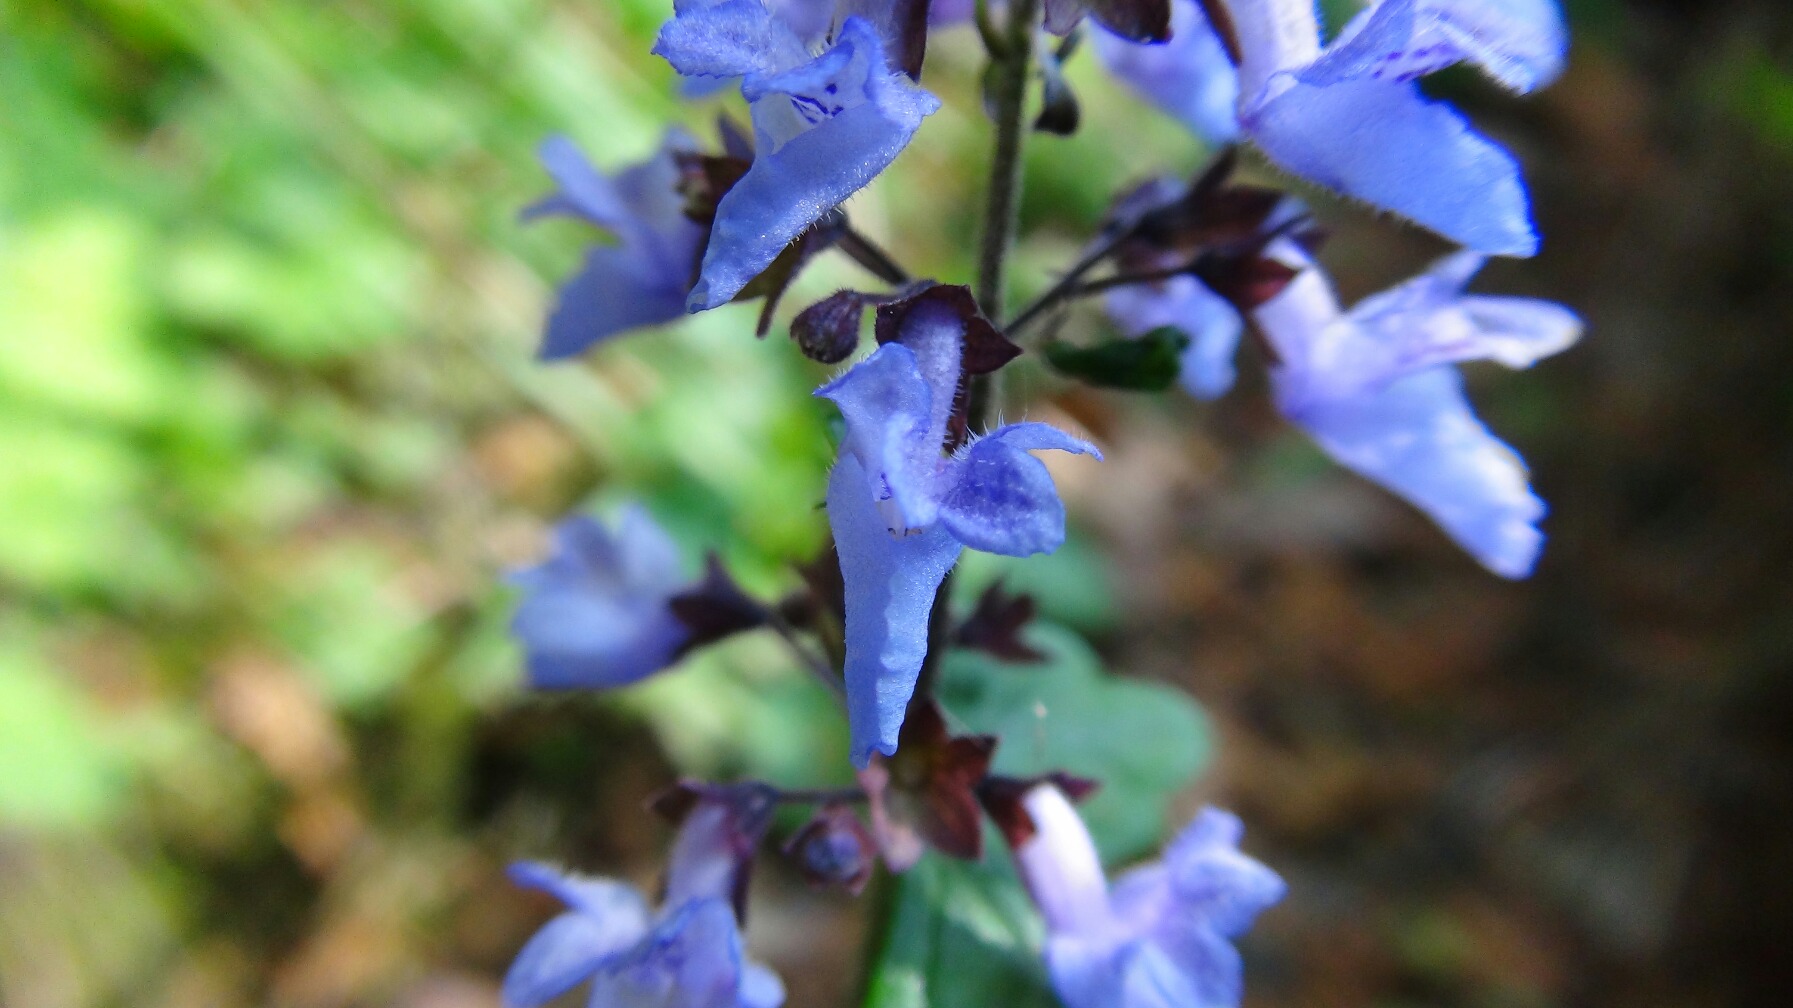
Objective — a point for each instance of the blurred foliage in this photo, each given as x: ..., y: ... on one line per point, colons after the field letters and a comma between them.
x: 271, y: 430
x: 961, y: 935
x: 1142, y: 742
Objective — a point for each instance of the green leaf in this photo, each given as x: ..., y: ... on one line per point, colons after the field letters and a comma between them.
x: 1149, y: 363
x: 1142, y: 741
x: 961, y: 935
x: 1072, y: 583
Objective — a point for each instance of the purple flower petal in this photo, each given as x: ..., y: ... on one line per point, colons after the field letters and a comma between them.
x: 1202, y: 960
x: 823, y: 130
x: 1060, y: 865
x: 583, y: 190
x: 1419, y: 438
x: 1376, y: 389
x: 1520, y: 43
x: 760, y: 987
x: 641, y: 280
x: 692, y: 959
x: 594, y: 613
x: 890, y: 584
x: 1386, y: 144
x: 888, y: 406
x: 585, y: 894
x: 563, y: 954
x: 606, y: 918
x: 1428, y: 321
x: 1349, y: 117
x: 731, y: 38
x: 1160, y: 938
x: 615, y: 290
x: 1000, y: 499
x: 1210, y: 877
x: 1189, y: 77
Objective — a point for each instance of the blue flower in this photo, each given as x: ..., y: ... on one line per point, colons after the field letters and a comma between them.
x: 1377, y: 388
x: 1351, y: 117
x: 828, y: 116
x: 901, y: 509
x: 688, y: 955
x: 595, y: 613
x: 1161, y: 937
x: 1189, y: 77
x: 643, y: 278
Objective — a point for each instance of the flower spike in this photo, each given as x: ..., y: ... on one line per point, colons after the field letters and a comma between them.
x: 901, y: 509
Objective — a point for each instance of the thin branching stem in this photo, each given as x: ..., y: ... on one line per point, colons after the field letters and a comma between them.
x: 1071, y: 286
x: 1011, y: 67
x: 872, y: 256
x: 1067, y: 285
x: 1066, y: 293
x: 815, y: 663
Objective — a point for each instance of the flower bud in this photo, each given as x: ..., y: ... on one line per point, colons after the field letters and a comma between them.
x: 834, y: 848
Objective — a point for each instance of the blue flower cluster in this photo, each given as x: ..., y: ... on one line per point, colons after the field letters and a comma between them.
x: 832, y: 91
x: 1161, y: 935
x: 687, y: 953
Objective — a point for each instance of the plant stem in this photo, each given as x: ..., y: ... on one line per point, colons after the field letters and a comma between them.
x: 870, y: 255
x: 1011, y: 68
x: 1066, y: 292
x: 1011, y: 64
x: 1067, y: 285
x: 816, y: 664
x: 1069, y: 288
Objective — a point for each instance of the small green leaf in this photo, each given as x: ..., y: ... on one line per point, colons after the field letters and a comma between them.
x: 1072, y: 584
x: 962, y: 935
x: 1149, y: 363
x: 1142, y: 741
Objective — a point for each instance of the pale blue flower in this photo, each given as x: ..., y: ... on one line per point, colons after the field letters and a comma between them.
x: 595, y: 613
x: 829, y: 113
x: 1162, y: 936
x: 1351, y: 117
x: 643, y: 278
x: 901, y: 509
x: 1189, y: 77
x: 687, y: 955
x: 1376, y: 387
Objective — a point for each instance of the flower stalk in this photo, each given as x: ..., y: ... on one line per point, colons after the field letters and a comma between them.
x: 1011, y: 66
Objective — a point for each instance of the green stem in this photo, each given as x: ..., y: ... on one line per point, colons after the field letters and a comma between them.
x: 816, y: 664
x: 872, y: 256
x: 1012, y: 67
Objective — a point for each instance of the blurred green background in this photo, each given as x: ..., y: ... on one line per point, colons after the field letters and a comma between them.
x: 270, y: 431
